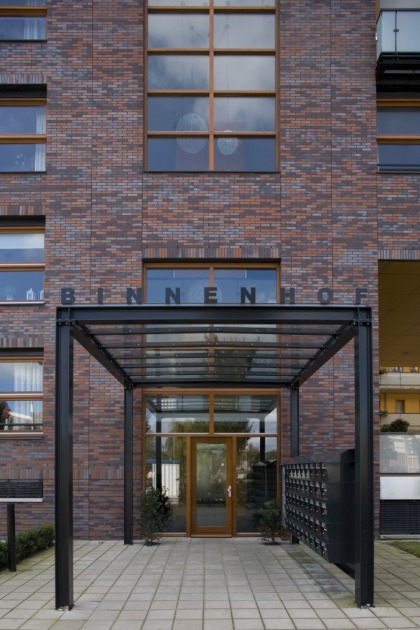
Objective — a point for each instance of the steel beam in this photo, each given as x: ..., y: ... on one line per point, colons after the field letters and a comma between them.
x: 294, y: 422
x: 364, y: 534
x: 11, y: 537
x: 64, y: 467
x: 128, y: 466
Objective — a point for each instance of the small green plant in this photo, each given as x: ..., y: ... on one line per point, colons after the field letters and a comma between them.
x: 396, y: 426
x: 155, y: 512
x: 269, y: 521
x: 409, y: 546
x: 29, y: 543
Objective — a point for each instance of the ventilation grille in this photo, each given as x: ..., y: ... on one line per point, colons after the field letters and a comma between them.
x: 400, y: 517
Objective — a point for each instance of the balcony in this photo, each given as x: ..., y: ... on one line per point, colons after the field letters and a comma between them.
x: 408, y: 381
x: 398, y: 50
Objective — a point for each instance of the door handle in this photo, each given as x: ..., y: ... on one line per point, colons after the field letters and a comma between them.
x: 229, y: 491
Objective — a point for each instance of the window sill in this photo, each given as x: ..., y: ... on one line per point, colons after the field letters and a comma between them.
x: 22, y: 303
x: 21, y: 435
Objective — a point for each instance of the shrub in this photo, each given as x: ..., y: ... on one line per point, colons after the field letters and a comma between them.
x: 269, y: 521
x: 29, y: 543
x: 397, y: 426
x: 155, y: 512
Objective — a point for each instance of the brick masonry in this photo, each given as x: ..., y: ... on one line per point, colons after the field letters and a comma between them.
x: 325, y: 215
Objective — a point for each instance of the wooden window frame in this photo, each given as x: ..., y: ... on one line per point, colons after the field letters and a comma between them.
x: 389, y: 139
x: 21, y: 357
x: 24, y: 138
x: 26, y: 266
x: 22, y: 11
x: 211, y: 52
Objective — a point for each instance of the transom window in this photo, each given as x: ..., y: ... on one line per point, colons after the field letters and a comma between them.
x: 22, y: 20
x: 22, y: 134
x: 20, y: 394
x: 21, y: 265
x: 399, y: 135
x: 211, y: 85
x: 213, y: 284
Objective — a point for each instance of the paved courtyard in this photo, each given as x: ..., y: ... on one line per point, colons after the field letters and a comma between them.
x: 208, y: 584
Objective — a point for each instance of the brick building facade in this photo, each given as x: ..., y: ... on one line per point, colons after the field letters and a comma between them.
x: 324, y: 217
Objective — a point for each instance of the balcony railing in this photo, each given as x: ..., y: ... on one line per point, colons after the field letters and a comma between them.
x: 400, y: 380
x: 398, y: 32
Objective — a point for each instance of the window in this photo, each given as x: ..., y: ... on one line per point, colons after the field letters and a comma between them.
x: 22, y: 20
x: 211, y: 85
x: 21, y: 264
x: 399, y: 136
x: 400, y: 406
x: 22, y: 134
x: 234, y: 284
x: 20, y: 393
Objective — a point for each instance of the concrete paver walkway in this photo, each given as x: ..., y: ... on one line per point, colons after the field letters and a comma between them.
x: 209, y: 584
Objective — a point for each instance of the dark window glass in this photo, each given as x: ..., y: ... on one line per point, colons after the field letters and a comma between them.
x: 244, y: 113
x: 20, y: 119
x: 244, y: 72
x: 177, y: 414
x: 244, y: 3
x: 399, y: 121
x: 189, y: 282
x: 21, y: 285
x: 178, y: 154
x: 178, y: 30
x: 231, y: 284
x: 178, y: 72
x: 22, y: 157
x: 244, y: 154
x: 22, y: 28
x: 399, y: 157
x: 21, y: 247
x: 243, y: 31
x: 22, y: 3
x: 178, y: 113
x: 178, y: 3
x: 245, y: 414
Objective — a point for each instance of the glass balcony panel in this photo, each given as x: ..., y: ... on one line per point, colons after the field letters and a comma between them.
x: 244, y: 113
x: 178, y: 113
x: 21, y: 28
x: 178, y: 154
x: 408, y: 25
x: 28, y: 158
x: 386, y: 34
x: 178, y: 30
x: 178, y: 72
x: 21, y: 247
x: 232, y: 30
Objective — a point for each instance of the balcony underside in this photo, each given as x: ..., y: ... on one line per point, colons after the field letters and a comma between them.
x: 398, y: 72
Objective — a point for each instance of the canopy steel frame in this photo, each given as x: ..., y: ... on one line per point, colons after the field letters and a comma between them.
x: 83, y: 324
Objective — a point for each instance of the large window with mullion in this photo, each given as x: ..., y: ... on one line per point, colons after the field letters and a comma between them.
x: 22, y: 264
x: 399, y: 135
x: 20, y: 393
x: 22, y: 20
x: 211, y: 87
x: 22, y: 134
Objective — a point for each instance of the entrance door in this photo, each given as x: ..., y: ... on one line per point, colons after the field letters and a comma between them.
x: 211, y: 486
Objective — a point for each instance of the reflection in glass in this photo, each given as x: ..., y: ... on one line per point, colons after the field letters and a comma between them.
x: 399, y: 156
x: 20, y: 415
x: 178, y: 72
x: 399, y: 453
x: 211, y: 484
x: 245, y: 414
x: 22, y: 28
x: 166, y: 467
x: 399, y: 120
x: 233, y: 30
x: 22, y: 3
x: 244, y: 285
x: 176, y: 285
x: 244, y: 72
x: 178, y: 113
x: 21, y: 285
x: 178, y: 3
x: 178, y: 154
x: 244, y: 113
x: 20, y: 376
x: 177, y: 414
x: 256, y: 479
x: 178, y: 30
x: 244, y: 3
x: 21, y: 247
x: 22, y: 157
x: 250, y: 154
x: 19, y: 119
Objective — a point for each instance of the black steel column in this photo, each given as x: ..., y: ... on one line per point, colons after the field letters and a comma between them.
x: 64, y: 466
x: 364, y: 534
x: 294, y: 422
x: 11, y: 536
x: 128, y: 466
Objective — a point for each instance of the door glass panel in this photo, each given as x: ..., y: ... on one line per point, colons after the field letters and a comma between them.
x: 166, y: 467
x: 211, y: 484
x: 177, y: 414
x: 256, y: 478
x: 245, y: 414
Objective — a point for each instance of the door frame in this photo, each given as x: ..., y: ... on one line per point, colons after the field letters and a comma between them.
x: 217, y: 531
